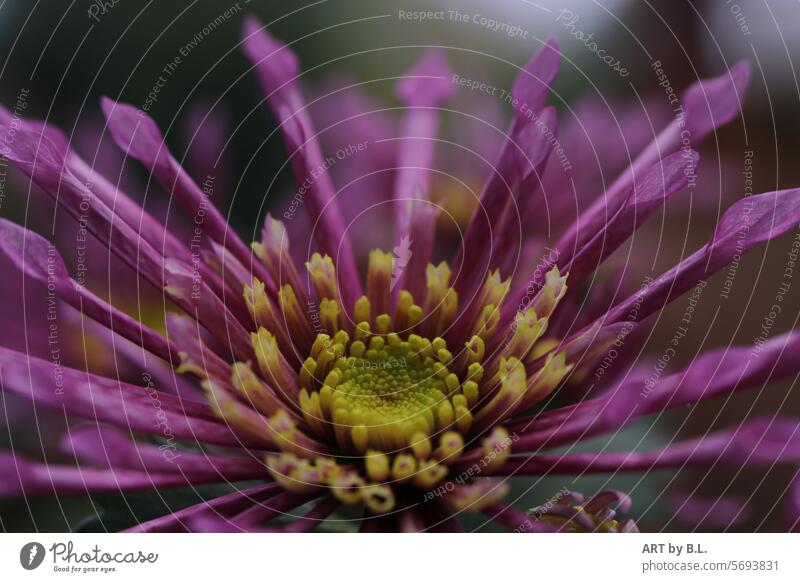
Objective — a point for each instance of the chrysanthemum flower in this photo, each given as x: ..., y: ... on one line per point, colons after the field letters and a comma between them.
x: 413, y: 391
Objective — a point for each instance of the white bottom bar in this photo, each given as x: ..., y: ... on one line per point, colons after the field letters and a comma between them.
x: 397, y: 557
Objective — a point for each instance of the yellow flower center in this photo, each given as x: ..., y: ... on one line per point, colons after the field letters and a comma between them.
x: 382, y: 393
x: 380, y: 404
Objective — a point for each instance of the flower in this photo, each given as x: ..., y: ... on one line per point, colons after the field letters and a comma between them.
x: 413, y: 393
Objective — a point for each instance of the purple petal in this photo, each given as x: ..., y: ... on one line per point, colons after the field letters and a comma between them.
x: 711, y: 103
x: 22, y: 477
x: 37, y: 258
x: 760, y: 441
x: 206, y: 133
x: 513, y: 162
x: 43, y: 161
x: 106, y: 400
x: 725, y: 95
x: 428, y: 82
x: 55, y: 135
x: 320, y: 202
x: 347, y: 114
x: 117, y: 235
x: 181, y: 285
x: 277, y: 68
x: 110, y: 447
x: 585, y: 349
x: 229, y: 267
x: 144, y: 224
x: 509, y: 234
x: 119, y: 322
x: 522, y: 157
x: 207, y: 523
x: 533, y: 82
x: 227, y: 505
x: 746, y: 223
x: 138, y: 136
x: 421, y: 89
x: 710, y: 375
x: 422, y: 236
x: 725, y: 370
x: 315, y: 516
x: 665, y: 178
x: 278, y: 65
x: 35, y: 152
x: 605, y: 498
x: 409, y: 520
x: 281, y: 504
x: 602, y: 136
x: 186, y: 332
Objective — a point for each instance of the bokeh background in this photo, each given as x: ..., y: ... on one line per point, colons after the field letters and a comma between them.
x: 65, y: 55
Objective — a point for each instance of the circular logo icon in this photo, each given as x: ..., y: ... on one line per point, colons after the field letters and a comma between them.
x: 31, y: 555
